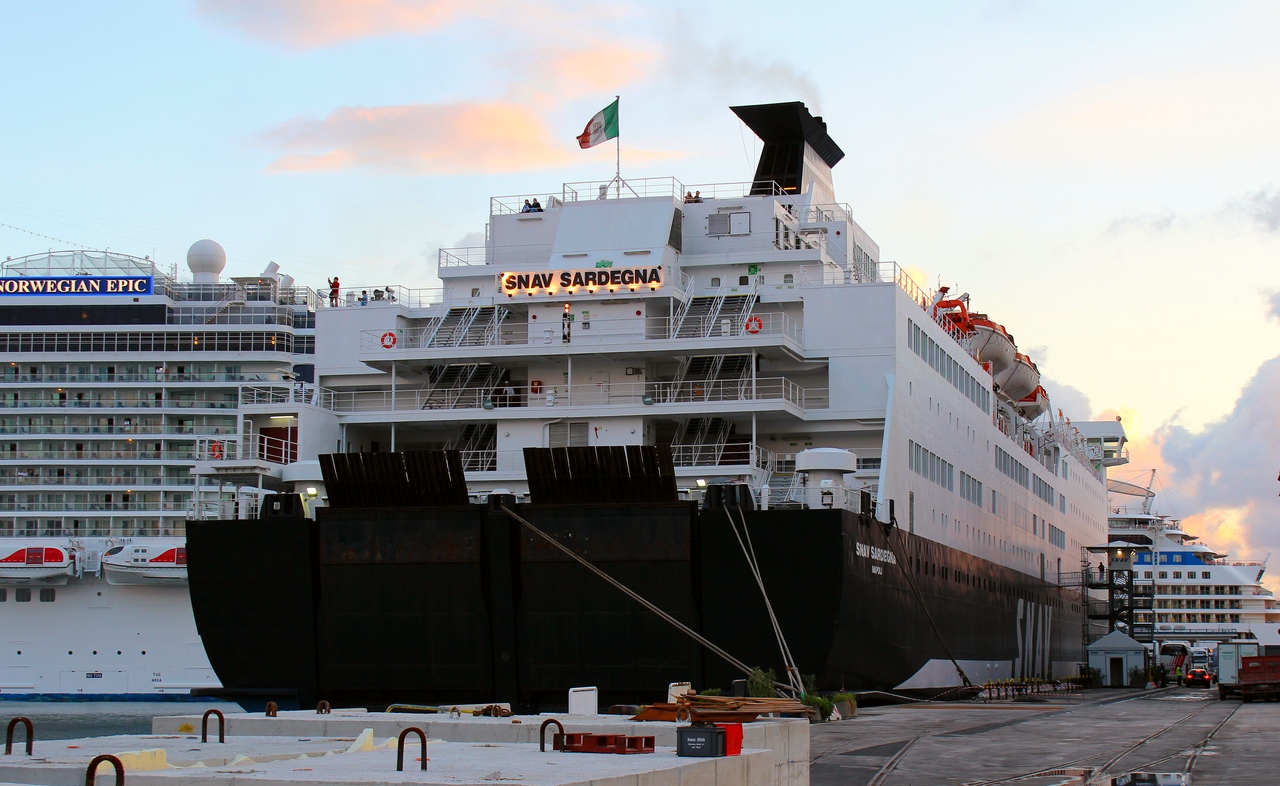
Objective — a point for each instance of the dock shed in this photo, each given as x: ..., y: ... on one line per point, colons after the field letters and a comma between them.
x: 1114, y: 655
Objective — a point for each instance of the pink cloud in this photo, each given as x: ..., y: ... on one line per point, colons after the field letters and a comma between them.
x: 305, y: 24
x: 419, y: 138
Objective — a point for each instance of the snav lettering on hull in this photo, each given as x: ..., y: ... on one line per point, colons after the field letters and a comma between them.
x: 1033, y: 628
x: 553, y: 281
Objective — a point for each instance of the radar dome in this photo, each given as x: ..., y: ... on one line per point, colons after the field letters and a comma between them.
x: 206, y: 259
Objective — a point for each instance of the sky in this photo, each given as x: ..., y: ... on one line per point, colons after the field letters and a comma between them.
x: 1102, y: 178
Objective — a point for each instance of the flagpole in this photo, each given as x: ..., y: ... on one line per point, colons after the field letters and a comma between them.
x: 617, y: 172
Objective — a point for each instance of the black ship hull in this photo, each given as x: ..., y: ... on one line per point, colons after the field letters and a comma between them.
x: 451, y: 604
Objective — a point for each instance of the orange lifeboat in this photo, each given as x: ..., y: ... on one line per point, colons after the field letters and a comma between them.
x: 1034, y: 404
x: 1020, y: 379
x: 992, y: 344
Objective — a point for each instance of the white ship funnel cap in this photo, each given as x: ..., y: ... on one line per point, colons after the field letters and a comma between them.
x: 826, y: 459
x: 206, y: 259
x: 271, y: 270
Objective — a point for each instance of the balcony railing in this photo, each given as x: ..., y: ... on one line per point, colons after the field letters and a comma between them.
x: 53, y: 480
x: 50, y: 430
x: 117, y: 404
x: 597, y: 332
x: 163, y: 377
x: 590, y: 394
x: 732, y: 458
x: 258, y: 447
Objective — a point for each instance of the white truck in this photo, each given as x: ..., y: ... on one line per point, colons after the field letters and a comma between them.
x: 1229, y: 655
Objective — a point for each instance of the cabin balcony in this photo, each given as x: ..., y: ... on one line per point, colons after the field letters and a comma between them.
x: 671, y: 399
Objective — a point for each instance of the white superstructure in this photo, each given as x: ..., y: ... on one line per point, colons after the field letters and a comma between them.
x: 118, y: 379
x: 742, y: 323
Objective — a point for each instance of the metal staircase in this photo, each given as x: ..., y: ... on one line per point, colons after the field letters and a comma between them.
x: 447, y: 384
x: 478, y: 444
x: 468, y: 326
x: 707, y: 368
x: 702, y: 439
x: 236, y: 298
x: 704, y: 316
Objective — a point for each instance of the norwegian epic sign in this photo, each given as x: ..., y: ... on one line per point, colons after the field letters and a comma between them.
x: 571, y: 281
x: 76, y: 285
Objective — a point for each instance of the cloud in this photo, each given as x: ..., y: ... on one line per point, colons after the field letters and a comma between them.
x: 1166, y: 118
x: 417, y: 139
x: 567, y: 72
x: 1228, y: 469
x: 1071, y: 400
x: 307, y: 24
x: 1273, y: 304
x: 1264, y: 208
x: 1150, y: 222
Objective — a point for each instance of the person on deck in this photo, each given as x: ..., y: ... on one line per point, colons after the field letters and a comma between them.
x: 334, y: 289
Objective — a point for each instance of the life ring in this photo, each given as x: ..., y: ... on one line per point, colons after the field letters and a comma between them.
x: 216, y: 450
x: 754, y: 324
x: 388, y: 340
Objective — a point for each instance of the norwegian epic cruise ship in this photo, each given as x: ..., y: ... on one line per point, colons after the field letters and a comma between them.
x: 118, y: 379
x: 753, y: 328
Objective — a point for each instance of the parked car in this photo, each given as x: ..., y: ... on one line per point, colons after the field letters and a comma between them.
x: 1198, y: 677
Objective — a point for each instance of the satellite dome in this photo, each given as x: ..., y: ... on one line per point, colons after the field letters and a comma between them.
x: 206, y: 259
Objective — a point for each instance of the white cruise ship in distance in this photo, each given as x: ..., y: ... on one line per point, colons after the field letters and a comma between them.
x: 117, y: 378
x: 1200, y: 594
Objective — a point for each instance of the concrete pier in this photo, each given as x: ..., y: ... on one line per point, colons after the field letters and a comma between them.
x: 354, y: 748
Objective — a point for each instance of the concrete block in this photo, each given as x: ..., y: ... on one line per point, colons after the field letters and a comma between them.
x: 731, y: 769
x: 667, y: 777
x: 698, y: 772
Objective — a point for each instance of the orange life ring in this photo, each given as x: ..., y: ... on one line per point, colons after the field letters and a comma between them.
x: 216, y: 449
x: 754, y: 324
x: 388, y: 340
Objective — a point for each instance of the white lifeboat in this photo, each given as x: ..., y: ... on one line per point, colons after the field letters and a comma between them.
x: 992, y: 344
x: 43, y: 562
x: 1034, y: 404
x: 1018, y: 380
x: 153, y: 561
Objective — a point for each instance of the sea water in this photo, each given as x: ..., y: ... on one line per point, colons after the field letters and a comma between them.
x: 58, y: 720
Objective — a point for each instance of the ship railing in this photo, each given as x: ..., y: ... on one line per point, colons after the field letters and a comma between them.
x: 145, y: 376
x: 513, y: 257
x: 99, y: 528
x: 53, y: 480
x: 105, y: 507
x: 826, y: 213
x: 257, y: 447
x: 514, y: 203
x: 295, y: 393
x: 268, y: 315
x: 131, y: 452
x: 735, y: 189
x: 119, y: 404
x: 689, y: 392
x: 603, y: 332
x: 631, y: 188
x: 732, y: 458
x: 382, y: 295
x: 79, y: 263
x: 124, y: 430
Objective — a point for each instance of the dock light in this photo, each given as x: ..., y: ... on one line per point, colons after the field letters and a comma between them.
x: 646, y: 399
x: 702, y: 484
x: 311, y: 491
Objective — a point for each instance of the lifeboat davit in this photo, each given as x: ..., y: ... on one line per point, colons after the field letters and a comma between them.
x: 158, y: 561
x: 1018, y: 380
x: 992, y: 344
x: 1034, y: 404
x: 36, y: 562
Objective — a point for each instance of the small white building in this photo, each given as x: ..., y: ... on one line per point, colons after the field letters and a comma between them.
x: 1114, y: 655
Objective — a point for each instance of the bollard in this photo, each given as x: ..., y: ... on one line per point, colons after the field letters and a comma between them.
x: 8, y: 736
x: 272, y: 709
x: 222, y: 726
x: 542, y: 735
x: 322, y: 708
x: 422, y: 735
x: 93, y: 769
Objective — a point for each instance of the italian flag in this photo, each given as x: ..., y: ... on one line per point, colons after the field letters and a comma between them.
x: 602, y: 127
